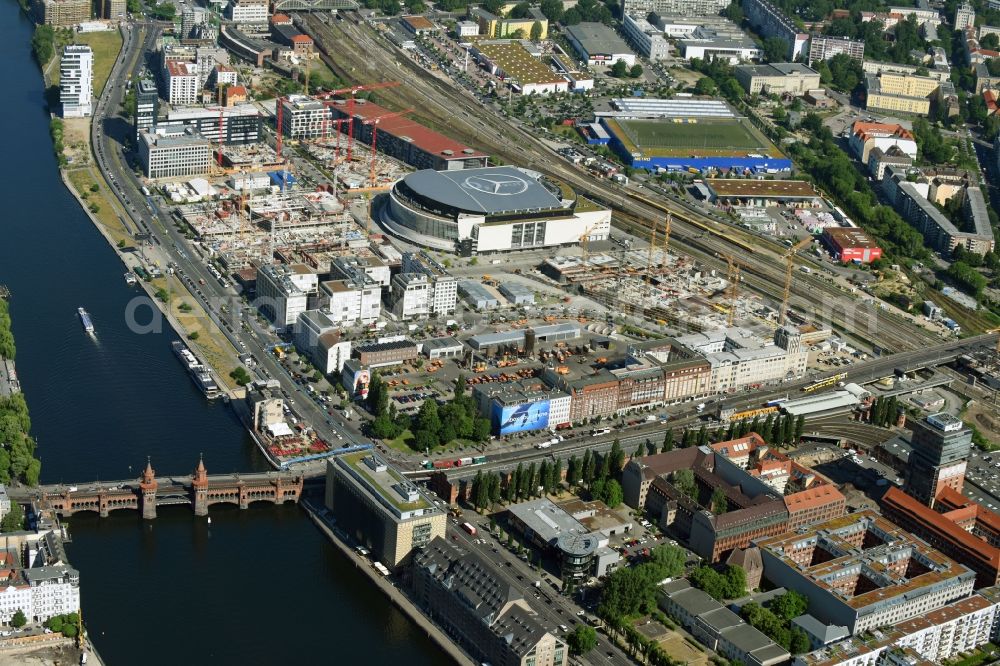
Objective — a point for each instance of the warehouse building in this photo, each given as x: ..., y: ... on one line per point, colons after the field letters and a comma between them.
x: 851, y: 244
x: 517, y: 338
x: 481, y: 609
x: 512, y: 63
x: 517, y: 294
x: 707, y: 43
x: 780, y: 78
x: 407, y: 140
x: 762, y: 193
x: 494, y: 209
x: 598, y: 44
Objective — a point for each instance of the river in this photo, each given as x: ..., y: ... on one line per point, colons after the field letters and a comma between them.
x: 261, y: 586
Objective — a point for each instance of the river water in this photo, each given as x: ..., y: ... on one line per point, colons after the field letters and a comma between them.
x: 261, y: 586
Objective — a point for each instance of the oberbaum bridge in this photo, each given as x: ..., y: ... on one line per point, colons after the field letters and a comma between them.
x: 145, y: 494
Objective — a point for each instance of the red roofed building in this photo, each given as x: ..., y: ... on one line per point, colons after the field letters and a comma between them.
x: 408, y: 141
x: 990, y: 97
x: 965, y: 531
x: 867, y: 136
x: 851, y: 244
x: 281, y: 19
x: 235, y: 95
x: 302, y: 45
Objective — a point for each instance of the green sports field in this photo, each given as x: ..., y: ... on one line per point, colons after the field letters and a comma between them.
x: 691, y: 136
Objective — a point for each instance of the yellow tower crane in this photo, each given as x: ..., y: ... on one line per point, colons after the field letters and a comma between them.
x: 789, y: 267
x: 666, y: 243
x: 585, y: 242
x: 733, y: 291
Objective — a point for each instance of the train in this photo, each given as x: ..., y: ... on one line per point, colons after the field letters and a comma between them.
x: 458, y: 462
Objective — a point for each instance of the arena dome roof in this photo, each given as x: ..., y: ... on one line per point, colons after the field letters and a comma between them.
x: 486, y: 191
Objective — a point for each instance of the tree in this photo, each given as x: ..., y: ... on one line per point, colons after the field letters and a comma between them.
x: 552, y: 9
x: 650, y: 448
x: 799, y: 643
x: 582, y: 639
x: 719, y: 502
x: 683, y: 481
x: 616, y: 459
x: 610, y: 492
x: 573, y: 471
x: 706, y: 86
x: 536, y: 31
x: 668, y: 441
x: 789, y: 605
x: 589, y: 467
x: 670, y: 558
x: 19, y: 620
x: 241, y: 376
x: 619, y: 69
x: 635, y: 71
x: 775, y: 49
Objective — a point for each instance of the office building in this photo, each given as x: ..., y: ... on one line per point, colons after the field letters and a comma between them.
x: 965, y: 17
x: 351, y: 301
x: 780, y: 78
x: 304, y: 118
x: 863, y: 572
x: 739, y: 358
x: 769, y: 21
x: 283, y: 292
x: 497, y: 27
x: 248, y: 12
x: 240, y: 125
x: 422, y: 288
x: 114, y: 9
x: 174, y: 156
x: 522, y: 406
x: 361, y: 268
x: 319, y: 337
x: 824, y: 47
x: 385, y: 353
x: 481, y: 609
x: 191, y: 17
x: 688, y: 8
x: 581, y: 552
x: 147, y: 105
x: 380, y: 508
x: 62, y: 13
x: 598, y: 44
x: 941, y: 444
x: 183, y: 85
x: 76, y: 80
x: 717, y: 627
x: 645, y: 38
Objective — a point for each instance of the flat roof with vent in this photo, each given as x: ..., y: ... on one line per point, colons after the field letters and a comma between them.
x: 410, y: 131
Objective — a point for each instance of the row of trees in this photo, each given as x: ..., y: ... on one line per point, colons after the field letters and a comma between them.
x: 883, y: 411
x: 523, y: 483
x: 17, y: 447
x: 7, y: 347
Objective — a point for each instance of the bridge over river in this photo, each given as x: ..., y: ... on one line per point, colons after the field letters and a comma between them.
x: 198, y: 490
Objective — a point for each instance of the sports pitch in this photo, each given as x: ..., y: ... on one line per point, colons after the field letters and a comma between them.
x: 691, y: 136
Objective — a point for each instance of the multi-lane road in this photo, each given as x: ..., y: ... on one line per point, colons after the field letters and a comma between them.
x: 147, y: 217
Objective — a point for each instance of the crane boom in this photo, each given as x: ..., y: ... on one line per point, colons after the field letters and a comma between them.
x: 789, y: 267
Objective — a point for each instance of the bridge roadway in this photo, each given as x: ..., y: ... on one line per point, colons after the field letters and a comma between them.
x: 861, y: 373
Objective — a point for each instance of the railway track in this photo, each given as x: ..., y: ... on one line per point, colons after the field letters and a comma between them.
x: 361, y: 58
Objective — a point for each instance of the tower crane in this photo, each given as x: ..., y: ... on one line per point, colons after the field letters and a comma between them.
x: 733, y: 290
x: 789, y: 267
x: 351, y: 92
x: 585, y: 242
x: 652, y: 248
x: 374, y: 123
x: 666, y: 242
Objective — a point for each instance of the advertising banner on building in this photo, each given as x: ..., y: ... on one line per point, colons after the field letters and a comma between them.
x: 521, y: 418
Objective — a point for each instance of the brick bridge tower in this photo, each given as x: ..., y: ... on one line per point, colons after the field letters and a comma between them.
x: 147, y: 487
x: 199, y: 489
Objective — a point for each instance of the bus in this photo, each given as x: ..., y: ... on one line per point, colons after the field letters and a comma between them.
x: 468, y: 527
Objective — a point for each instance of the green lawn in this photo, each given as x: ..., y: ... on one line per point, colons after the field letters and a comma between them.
x: 106, y: 46
x: 696, y: 134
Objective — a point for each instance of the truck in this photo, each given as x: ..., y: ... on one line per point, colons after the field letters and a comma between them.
x: 543, y: 445
x: 469, y: 528
x: 479, y: 460
x: 443, y: 464
x: 463, y: 461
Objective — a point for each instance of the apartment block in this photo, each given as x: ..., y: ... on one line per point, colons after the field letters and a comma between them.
x: 248, y: 11
x: 351, y: 301
x: 823, y: 47
x: 283, y: 292
x: 769, y: 21
x: 422, y: 288
x: 147, y: 105
x: 174, y: 156
x: 319, y: 337
x: 76, y: 79
x: 863, y: 572
x: 182, y: 82
x: 688, y: 8
x: 900, y: 93
x: 647, y: 40
x: 62, y: 13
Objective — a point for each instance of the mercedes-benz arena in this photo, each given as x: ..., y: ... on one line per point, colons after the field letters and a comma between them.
x: 493, y: 209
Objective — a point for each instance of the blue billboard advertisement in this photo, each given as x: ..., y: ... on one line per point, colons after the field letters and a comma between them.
x: 521, y: 418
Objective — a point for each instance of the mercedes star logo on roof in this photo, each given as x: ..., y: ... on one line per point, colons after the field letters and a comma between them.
x: 496, y: 184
